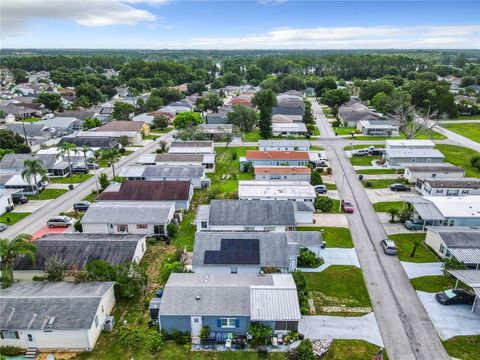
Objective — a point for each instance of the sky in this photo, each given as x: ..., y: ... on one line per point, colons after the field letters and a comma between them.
x: 246, y: 24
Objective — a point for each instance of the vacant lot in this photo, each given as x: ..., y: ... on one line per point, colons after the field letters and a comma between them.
x: 380, y: 183
x: 460, y: 156
x: 471, y: 131
x: 74, y: 179
x: 335, y: 237
x: 343, y: 349
x: 363, y: 160
x: 405, y: 244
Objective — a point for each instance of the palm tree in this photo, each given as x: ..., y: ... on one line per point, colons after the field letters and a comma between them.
x: 393, y: 212
x: 66, y: 149
x: 10, y: 249
x: 111, y: 156
x: 32, y: 168
x: 85, y: 149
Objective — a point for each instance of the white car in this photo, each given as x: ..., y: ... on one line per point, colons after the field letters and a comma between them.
x: 48, y: 116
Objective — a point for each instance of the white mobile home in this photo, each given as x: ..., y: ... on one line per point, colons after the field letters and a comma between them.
x: 284, y: 145
x: 448, y: 187
x: 437, y: 171
x: 276, y: 190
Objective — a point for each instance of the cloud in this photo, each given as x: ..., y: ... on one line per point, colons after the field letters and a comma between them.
x: 271, y: 2
x: 463, y: 36
x: 17, y: 15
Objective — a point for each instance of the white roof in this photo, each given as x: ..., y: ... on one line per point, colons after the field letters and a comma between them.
x: 300, y: 127
x: 128, y: 213
x: 146, y: 159
x: 409, y: 143
x: 190, y: 150
x: 144, y: 117
x: 277, y: 189
x: 416, y: 153
x: 114, y: 134
x: 8, y: 192
x: 368, y: 125
x: 457, y: 207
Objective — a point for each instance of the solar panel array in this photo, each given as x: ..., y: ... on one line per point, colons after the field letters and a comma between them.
x: 235, y: 251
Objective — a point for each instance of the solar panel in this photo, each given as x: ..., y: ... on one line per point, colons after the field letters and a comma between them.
x: 235, y: 251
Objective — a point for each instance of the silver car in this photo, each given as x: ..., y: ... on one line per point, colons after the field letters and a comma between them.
x: 60, y: 221
x: 3, y: 227
x: 389, y: 247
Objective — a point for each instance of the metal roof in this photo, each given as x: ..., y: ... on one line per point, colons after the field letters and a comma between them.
x: 278, y: 189
x: 128, y: 213
x: 284, y: 143
x: 425, y: 208
x: 465, y: 255
x: 468, y: 277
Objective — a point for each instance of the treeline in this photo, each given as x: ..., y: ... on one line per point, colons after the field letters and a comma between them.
x: 48, y: 63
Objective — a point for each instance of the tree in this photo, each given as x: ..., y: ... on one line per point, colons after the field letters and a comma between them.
x: 153, y: 103
x: 475, y: 161
x: 261, y: 334
x: 88, y: 91
x: 316, y: 178
x: 411, y: 123
x: 265, y: 100
x: 67, y: 149
x: 196, y: 87
x: 111, y: 156
x: 232, y: 79
x: 172, y: 230
x: 19, y: 76
x: 13, y: 141
x: 305, y: 351
x: 130, y: 280
x: 122, y: 111
x: 243, y: 117
x: 51, y: 100
x: 451, y: 264
x: 187, y: 120
x: 292, y: 82
x: 217, y: 84
x: 91, y: 123
x: 393, y: 212
x: 324, y: 84
x: 371, y: 88
x: 323, y: 203
x: 210, y: 102
x: 160, y: 122
x: 54, y: 269
x: 335, y: 98
x: 10, y: 249
x: 32, y: 169
x: 255, y: 74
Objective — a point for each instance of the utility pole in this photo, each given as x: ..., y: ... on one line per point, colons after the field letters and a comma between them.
x: 24, y: 132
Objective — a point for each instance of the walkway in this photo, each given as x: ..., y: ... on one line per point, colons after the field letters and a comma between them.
x: 415, y: 270
x: 335, y: 256
x: 339, y: 327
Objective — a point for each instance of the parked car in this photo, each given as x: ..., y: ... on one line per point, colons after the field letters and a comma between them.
x: 347, y: 206
x: 414, y: 224
x: 321, y: 189
x: 375, y: 151
x: 399, y: 187
x: 80, y: 170
x: 3, y: 227
x: 60, y: 221
x: 389, y: 247
x: 322, y: 163
x: 455, y: 297
x: 20, y: 200
x: 81, y: 205
x: 48, y: 116
x: 360, y: 152
x: 93, y: 166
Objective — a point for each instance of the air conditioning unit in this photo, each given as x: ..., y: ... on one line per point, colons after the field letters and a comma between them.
x: 108, y: 324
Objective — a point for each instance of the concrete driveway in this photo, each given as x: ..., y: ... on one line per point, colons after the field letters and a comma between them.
x: 379, y: 195
x: 332, y: 220
x: 415, y: 270
x: 335, y: 256
x: 393, y: 228
x: 453, y: 320
x: 30, y: 206
x: 338, y: 327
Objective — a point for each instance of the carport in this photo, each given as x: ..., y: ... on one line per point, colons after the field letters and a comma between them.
x: 470, y: 278
x: 426, y: 210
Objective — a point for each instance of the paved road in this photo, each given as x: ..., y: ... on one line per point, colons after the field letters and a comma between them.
x: 404, y: 324
x: 37, y: 219
x: 321, y: 120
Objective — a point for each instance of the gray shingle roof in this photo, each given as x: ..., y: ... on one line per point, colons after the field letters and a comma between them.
x: 179, y: 157
x: 462, y: 183
x: 127, y: 213
x: 15, y: 161
x: 191, y: 144
x: 32, y: 130
x: 434, y: 167
x: 27, y: 305
x: 90, y: 141
x: 252, y: 212
x: 459, y: 237
x: 174, y: 171
x: 78, y: 249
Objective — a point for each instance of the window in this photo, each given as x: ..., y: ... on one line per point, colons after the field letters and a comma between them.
x: 30, y: 337
x: 196, y: 320
x: 204, y: 224
x: 7, y: 334
x: 439, y: 191
x: 465, y: 191
x: 96, y: 320
x: 448, y: 254
x: 442, y: 248
x: 249, y: 228
x: 122, y: 228
x: 233, y: 270
x: 228, y: 322
x: 142, y: 226
x: 269, y: 228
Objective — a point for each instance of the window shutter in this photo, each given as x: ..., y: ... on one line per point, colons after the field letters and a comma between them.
x: 219, y: 323
x: 1, y: 335
x: 237, y: 323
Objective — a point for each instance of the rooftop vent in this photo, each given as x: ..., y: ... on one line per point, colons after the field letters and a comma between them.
x: 197, y: 297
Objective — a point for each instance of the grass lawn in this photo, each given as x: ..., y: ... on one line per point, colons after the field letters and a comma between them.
x: 331, y: 186
x: 379, y: 171
x: 380, y: 183
x: 75, y: 179
x: 343, y: 130
x: 251, y: 136
x: 356, y: 147
x: 338, y: 286
x: 427, y: 135
x: 151, y: 137
x: 127, y: 152
x: 316, y: 148
x: 48, y: 194
x: 433, y: 284
x: 463, y: 347
x: 31, y: 119
x: 12, y: 217
x: 467, y: 117
x: 384, y: 206
x: 161, y: 131
x: 343, y: 349
x: 335, y: 208
x: 405, y: 244
x: 460, y: 156
x: 92, y: 197
x: 316, y: 132
x: 471, y: 131
x: 363, y: 160
x: 335, y: 237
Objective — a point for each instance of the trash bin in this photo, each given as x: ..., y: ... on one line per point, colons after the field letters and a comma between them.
x: 360, y: 177
x: 70, y: 187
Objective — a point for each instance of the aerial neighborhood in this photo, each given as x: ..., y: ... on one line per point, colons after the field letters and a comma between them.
x: 293, y: 206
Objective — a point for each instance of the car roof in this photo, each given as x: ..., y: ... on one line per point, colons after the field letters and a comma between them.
x: 389, y: 242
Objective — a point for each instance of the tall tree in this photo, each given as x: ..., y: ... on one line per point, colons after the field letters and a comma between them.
x: 243, y: 117
x: 187, y: 119
x: 32, y: 169
x: 51, y: 100
x: 335, y: 98
x: 265, y: 100
x: 324, y: 84
x: 111, y: 156
x: 10, y: 249
x: 122, y: 111
x: 68, y: 149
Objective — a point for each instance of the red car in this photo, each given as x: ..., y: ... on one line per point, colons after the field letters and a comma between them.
x: 347, y: 206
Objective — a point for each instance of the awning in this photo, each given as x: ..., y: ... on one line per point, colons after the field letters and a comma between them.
x: 425, y: 208
x: 468, y: 277
x: 467, y: 256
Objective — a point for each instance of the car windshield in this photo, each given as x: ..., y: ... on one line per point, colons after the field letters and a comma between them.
x: 348, y: 203
x: 450, y: 293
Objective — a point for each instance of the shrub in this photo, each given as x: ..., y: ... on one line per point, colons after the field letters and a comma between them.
x: 316, y: 178
x: 130, y: 337
x: 169, y: 268
x: 261, y: 334
x: 308, y: 259
x: 180, y: 338
x: 54, y: 269
x: 205, y: 333
x: 451, y: 264
x: 336, y: 123
x: 8, y: 220
x: 323, y: 203
x: 154, y: 341
x: 329, y: 170
x: 320, y: 170
x: 404, y: 215
x: 270, y: 270
x: 234, y: 155
x: 475, y: 161
x: 368, y: 184
x: 305, y: 351
x: 103, y: 179
x: 11, y: 350
x: 78, y: 226
x: 301, y: 283
x: 172, y: 230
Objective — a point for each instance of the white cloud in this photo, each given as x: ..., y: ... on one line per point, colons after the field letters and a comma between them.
x: 271, y: 2
x: 17, y: 15
x: 464, y: 36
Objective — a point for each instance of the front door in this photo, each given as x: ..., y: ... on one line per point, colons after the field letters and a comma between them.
x: 31, y: 340
x: 196, y: 325
x: 111, y: 229
x: 158, y: 229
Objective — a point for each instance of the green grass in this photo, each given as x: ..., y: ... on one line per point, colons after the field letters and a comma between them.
x: 460, y: 156
x: 331, y: 186
x: 251, y: 136
x: 433, y: 284
x: 463, y: 347
x: 380, y: 183
x: 155, y: 131
x: 379, y: 171
x: 427, y: 135
x: 405, y: 244
x: 344, y: 130
x: 356, y: 147
x: 471, y: 131
x: 75, y: 179
x: 384, y: 206
x: 338, y: 286
x: 127, y: 152
x: 48, y: 194
x: 335, y: 208
x: 151, y: 137
x: 346, y: 349
x: 91, y: 197
x: 316, y: 132
x: 467, y: 117
x: 31, y: 119
x: 335, y: 237
x: 316, y: 148
x: 12, y: 217
x: 363, y: 160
